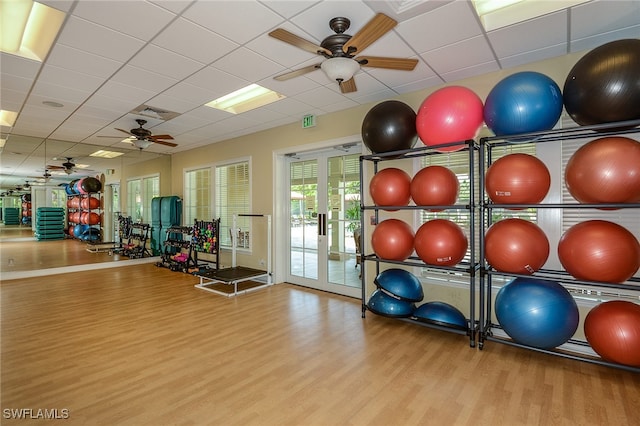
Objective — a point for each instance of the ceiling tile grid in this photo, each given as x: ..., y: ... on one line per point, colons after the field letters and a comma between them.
x: 112, y: 56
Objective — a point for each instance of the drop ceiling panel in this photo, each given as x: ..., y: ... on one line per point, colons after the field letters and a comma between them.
x: 67, y: 78
x: 12, y: 100
x: 475, y: 70
x: 288, y: 8
x: 21, y: 67
x: 53, y: 92
x: 134, y: 96
x: 283, y: 53
x: 216, y: 81
x: 443, y: 26
x: 240, y: 22
x: 600, y: 17
x: 246, y: 64
x: 394, y: 79
x: 165, y: 62
x: 83, y: 62
x: 137, y: 19
x: 290, y: 87
x: 189, y: 40
x: 101, y: 41
x: 321, y: 97
x: 533, y: 55
x: 144, y: 79
x: 549, y: 30
x: 600, y: 39
x: 464, y: 54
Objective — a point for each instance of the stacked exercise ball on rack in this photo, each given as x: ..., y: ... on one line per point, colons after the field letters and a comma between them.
x: 83, y: 205
x: 600, y: 88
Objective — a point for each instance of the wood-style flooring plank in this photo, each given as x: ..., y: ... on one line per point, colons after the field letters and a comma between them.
x: 139, y: 345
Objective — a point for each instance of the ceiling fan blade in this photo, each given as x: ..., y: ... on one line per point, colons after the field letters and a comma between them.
x: 161, y: 137
x: 296, y: 73
x: 171, y: 144
x: 348, y: 86
x: 378, y: 26
x: 53, y: 167
x: 124, y: 131
x: 388, y: 63
x: 299, y: 42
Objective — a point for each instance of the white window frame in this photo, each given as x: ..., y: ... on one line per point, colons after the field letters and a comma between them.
x: 244, y: 224
x: 145, y: 199
x: 188, y: 204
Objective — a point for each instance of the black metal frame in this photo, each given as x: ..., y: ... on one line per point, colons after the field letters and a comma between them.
x: 486, y: 206
x: 470, y: 267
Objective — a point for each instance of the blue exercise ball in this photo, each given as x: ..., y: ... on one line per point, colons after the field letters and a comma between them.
x: 523, y: 102
x: 441, y: 313
x: 382, y: 304
x: 400, y: 284
x: 536, y: 312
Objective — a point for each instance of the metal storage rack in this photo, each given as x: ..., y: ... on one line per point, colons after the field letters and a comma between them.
x: 487, y: 327
x: 466, y: 267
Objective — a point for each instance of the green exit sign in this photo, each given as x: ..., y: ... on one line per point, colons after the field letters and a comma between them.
x: 308, y: 121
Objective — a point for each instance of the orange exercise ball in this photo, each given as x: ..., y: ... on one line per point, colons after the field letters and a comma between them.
x: 440, y: 242
x: 90, y: 203
x: 517, y: 179
x: 516, y: 245
x: 392, y: 239
x: 434, y: 186
x: 599, y: 250
x: 613, y: 330
x: 605, y: 170
x: 390, y: 187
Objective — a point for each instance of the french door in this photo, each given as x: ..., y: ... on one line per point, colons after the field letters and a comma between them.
x: 325, y: 218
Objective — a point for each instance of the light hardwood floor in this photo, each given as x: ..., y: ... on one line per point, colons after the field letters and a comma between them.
x: 139, y: 345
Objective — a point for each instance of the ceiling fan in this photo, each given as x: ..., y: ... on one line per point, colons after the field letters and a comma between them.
x: 340, y: 49
x: 67, y: 166
x: 143, y: 137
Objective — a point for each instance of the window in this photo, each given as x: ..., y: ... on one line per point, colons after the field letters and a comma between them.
x: 140, y: 192
x: 197, y: 195
x: 233, y: 196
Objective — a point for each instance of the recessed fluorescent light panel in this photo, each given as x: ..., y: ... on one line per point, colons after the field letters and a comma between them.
x: 28, y: 28
x: 7, y: 118
x: 496, y: 14
x: 106, y: 154
x: 246, y: 99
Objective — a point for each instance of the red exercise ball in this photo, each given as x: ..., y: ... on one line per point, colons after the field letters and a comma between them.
x: 392, y: 239
x: 516, y: 245
x: 390, y: 187
x: 598, y: 250
x: 434, y: 186
x: 90, y: 218
x: 517, y: 179
x: 613, y: 331
x: 440, y: 242
x: 605, y: 170
x: 90, y: 203
x: 450, y: 114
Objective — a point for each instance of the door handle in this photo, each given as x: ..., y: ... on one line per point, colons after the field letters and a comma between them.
x: 322, y: 224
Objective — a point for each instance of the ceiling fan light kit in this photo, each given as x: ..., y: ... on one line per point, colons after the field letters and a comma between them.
x: 142, y: 143
x: 339, y: 50
x: 340, y: 68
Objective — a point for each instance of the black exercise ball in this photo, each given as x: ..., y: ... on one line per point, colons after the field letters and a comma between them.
x: 604, y: 85
x: 91, y: 185
x: 389, y: 126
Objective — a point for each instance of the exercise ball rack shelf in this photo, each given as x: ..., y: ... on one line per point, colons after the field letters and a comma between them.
x: 491, y: 331
x: 468, y: 267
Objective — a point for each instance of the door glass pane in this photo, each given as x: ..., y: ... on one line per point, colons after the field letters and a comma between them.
x: 343, y: 218
x: 304, y: 219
